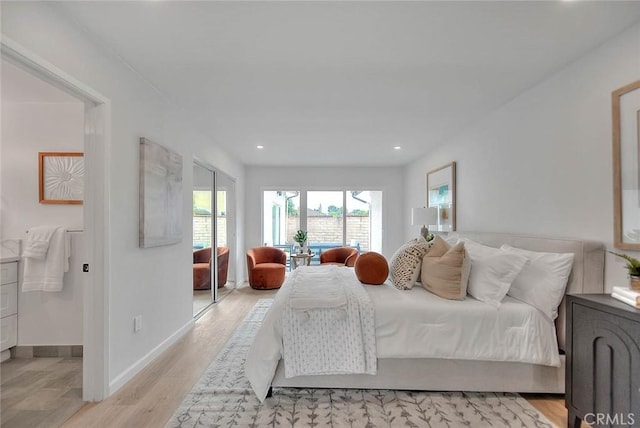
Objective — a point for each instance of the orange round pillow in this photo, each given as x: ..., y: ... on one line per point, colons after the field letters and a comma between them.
x: 372, y: 268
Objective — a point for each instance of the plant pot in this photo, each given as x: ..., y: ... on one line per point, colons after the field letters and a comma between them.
x: 634, y: 282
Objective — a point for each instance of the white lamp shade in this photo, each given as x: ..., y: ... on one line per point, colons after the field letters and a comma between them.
x: 424, y: 216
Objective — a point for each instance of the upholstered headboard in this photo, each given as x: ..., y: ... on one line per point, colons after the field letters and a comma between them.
x: 587, y: 274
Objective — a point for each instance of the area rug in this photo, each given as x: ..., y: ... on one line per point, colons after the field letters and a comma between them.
x: 223, y: 398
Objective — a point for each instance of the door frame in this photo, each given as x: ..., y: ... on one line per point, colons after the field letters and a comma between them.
x: 232, y: 242
x: 97, y: 140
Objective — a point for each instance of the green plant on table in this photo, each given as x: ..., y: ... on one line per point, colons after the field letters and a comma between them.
x: 300, y: 237
x: 632, y: 266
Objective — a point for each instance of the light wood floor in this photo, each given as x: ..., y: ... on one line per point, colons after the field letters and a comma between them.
x: 37, y: 392
x: 150, y: 399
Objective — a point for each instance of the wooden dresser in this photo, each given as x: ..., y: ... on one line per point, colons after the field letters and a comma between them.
x: 603, y: 361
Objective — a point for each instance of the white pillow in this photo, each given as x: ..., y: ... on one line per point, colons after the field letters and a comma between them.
x: 405, y: 264
x: 542, y: 282
x: 492, y: 272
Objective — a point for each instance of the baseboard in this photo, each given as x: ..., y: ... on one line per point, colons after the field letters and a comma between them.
x: 46, y: 351
x: 134, y: 369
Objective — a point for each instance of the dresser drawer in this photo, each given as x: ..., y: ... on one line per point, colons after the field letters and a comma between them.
x: 9, y: 272
x: 8, y: 300
x: 8, y: 332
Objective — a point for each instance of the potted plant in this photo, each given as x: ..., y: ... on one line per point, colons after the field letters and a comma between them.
x: 633, y: 267
x: 300, y: 237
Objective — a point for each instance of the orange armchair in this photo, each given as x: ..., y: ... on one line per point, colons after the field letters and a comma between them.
x: 266, y: 266
x: 341, y: 256
x: 202, y: 267
x: 223, y: 265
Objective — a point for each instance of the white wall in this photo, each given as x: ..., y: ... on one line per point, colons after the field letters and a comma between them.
x: 542, y: 164
x: 389, y: 180
x: 157, y: 282
x: 28, y: 128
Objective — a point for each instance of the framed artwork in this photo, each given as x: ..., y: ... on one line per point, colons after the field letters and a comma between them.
x: 625, y: 108
x: 161, y: 202
x: 60, y: 177
x: 441, y: 193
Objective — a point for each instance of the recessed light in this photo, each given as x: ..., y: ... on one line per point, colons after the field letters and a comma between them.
x: 259, y: 147
x: 397, y: 148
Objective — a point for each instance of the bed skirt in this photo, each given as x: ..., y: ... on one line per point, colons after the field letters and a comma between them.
x: 441, y: 375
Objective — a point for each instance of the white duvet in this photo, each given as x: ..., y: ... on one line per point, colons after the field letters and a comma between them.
x: 417, y: 324
x: 328, y: 324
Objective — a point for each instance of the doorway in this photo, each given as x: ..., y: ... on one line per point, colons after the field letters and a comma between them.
x: 95, y: 212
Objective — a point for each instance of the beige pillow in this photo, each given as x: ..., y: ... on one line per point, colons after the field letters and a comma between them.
x: 438, y: 247
x: 405, y: 263
x: 446, y: 275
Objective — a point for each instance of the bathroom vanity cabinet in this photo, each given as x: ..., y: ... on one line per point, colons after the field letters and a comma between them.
x: 8, y: 308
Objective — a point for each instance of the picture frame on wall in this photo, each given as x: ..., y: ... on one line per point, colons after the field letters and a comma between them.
x: 61, y: 178
x: 161, y: 202
x: 441, y: 193
x: 625, y: 108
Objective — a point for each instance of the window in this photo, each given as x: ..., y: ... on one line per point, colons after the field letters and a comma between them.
x: 201, y: 219
x: 331, y: 218
x: 281, y: 217
x: 364, y: 219
x: 325, y: 219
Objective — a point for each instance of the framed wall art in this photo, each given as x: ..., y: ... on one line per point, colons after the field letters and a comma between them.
x: 60, y: 177
x: 441, y: 193
x: 161, y: 202
x: 625, y: 108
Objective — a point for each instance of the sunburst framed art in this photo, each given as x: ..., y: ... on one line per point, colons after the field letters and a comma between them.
x: 61, y: 177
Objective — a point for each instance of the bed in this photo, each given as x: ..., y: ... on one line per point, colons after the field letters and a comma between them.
x: 535, y: 364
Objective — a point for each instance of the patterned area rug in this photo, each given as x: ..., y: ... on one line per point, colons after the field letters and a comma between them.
x: 223, y: 398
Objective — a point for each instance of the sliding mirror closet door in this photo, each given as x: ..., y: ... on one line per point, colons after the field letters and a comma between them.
x: 204, y: 252
x: 225, y: 233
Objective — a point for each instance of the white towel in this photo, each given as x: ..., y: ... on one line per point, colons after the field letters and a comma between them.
x: 47, y: 274
x: 38, y: 242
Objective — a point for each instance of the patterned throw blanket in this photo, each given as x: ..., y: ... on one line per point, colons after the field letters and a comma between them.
x: 328, y: 324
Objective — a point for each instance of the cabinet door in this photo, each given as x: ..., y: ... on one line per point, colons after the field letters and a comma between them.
x: 8, y: 332
x: 8, y: 300
x: 606, y: 362
x: 8, y: 272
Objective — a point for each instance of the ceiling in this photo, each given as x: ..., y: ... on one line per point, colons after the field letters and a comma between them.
x: 342, y: 83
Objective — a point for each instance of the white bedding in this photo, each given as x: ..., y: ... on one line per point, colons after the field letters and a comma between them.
x: 328, y: 324
x: 417, y: 324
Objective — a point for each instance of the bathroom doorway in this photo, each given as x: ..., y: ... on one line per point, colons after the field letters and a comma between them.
x: 41, y: 115
x: 95, y: 236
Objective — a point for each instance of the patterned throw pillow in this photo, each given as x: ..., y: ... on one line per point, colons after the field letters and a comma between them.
x: 406, y: 262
